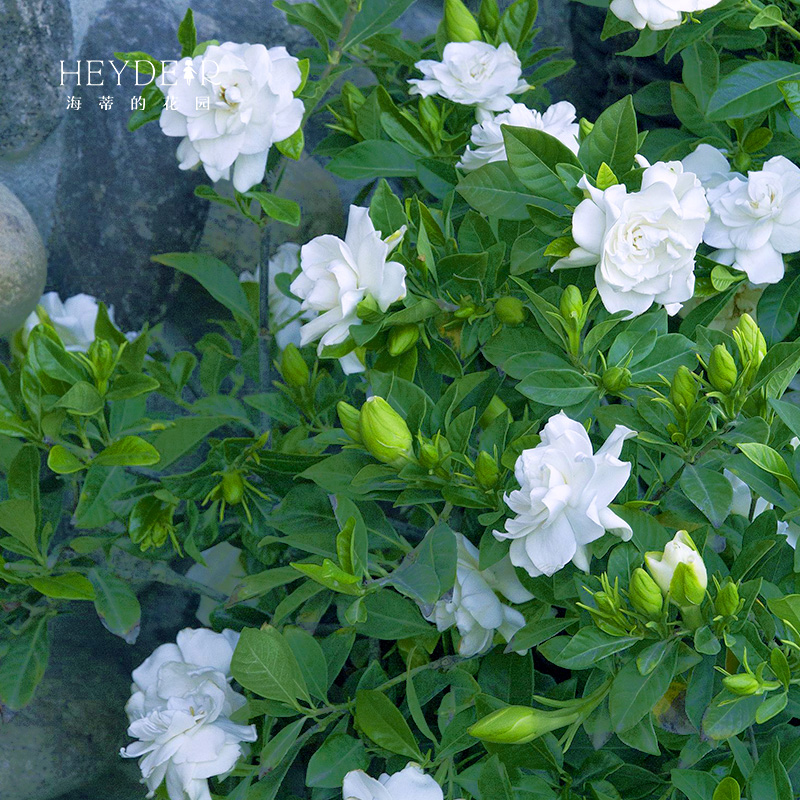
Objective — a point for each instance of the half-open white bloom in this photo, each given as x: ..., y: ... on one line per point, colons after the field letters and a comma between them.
x: 336, y: 275
x: 564, y: 492
x: 230, y: 105
x: 755, y: 220
x: 73, y: 320
x: 179, y: 712
x: 658, y: 15
x: 473, y: 605
x: 411, y: 783
x: 487, y: 136
x: 642, y: 243
x: 473, y: 74
x: 283, y: 320
x: 679, y: 555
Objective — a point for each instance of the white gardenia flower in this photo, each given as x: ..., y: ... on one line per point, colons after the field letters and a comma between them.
x: 223, y: 572
x: 230, y: 105
x: 679, y: 552
x: 658, y: 15
x: 710, y: 165
x: 283, y: 310
x: 73, y: 320
x: 473, y: 74
x: 562, y: 503
x: 179, y: 713
x: 473, y: 605
x: 487, y: 136
x: 642, y: 243
x: 411, y: 783
x: 336, y: 275
x: 743, y: 497
x: 755, y: 220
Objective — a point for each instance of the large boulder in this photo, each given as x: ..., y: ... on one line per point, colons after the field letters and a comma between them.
x: 23, y: 262
x: 38, y: 35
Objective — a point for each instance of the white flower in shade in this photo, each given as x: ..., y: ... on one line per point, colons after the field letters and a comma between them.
x: 710, y: 165
x: 73, y: 320
x: 179, y: 713
x: 473, y: 605
x: 283, y: 311
x: 564, y: 492
x: 658, y: 15
x: 743, y: 498
x: 223, y: 572
x: 473, y: 74
x: 756, y: 220
x: 642, y: 243
x: 336, y: 275
x: 230, y: 105
x: 411, y: 783
x: 679, y: 570
x: 487, y: 136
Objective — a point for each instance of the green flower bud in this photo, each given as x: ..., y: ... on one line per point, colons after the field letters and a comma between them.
x: 385, y: 433
x: 750, y: 341
x: 742, y: 684
x: 294, y: 368
x: 645, y: 595
x: 722, y: 372
x: 402, y: 338
x: 489, y: 16
x: 518, y: 724
x: 616, y: 379
x: 683, y: 392
x: 150, y: 522
x: 459, y: 23
x: 509, y: 310
x: 102, y: 357
x: 493, y: 410
x: 486, y: 470
x: 466, y: 309
x: 368, y: 310
x: 352, y: 97
x: 429, y: 116
x: 727, y: 601
x: 571, y: 305
x: 584, y: 127
x: 232, y: 488
x: 679, y: 571
x: 349, y: 419
x: 428, y: 455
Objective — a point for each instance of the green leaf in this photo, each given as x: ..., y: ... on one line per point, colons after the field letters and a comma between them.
x: 771, y: 707
x: 216, y: 277
x: 430, y: 570
x: 696, y: 785
x: 311, y: 659
x: 18, y: 518
x: 374, y: 17
x: 264, y: 663
x: 392, y: 617
x: 332, y: 577
x: 184, y: 436
x: 751, y: 89
x: 724, y: 721
x: 378, y: 718
x: 71, y: 586
x: 493, y: 780
x: 336, y: 756
x: 728, y: 789
x: 787, y: 607
x: 279, y: 208
x: 557, y: 387
x: 633, y: 695
x: 769, y: 779
x: 494, y: 191
x: 126, y: 387
x: 778, y: 368
x: 709, y: 490
x: 82, y: 399
x: 584, y: 649
x: 373, y: 159
x: 768, y: 17
x: 63, y: 462
x: 187, y: 34
x: 386, y: 210
x: 129, y: 451
x: 23, y: 665
x: 769, y: 460
x: 292, y: 146
x: 517, y: 22
x: 706, y: 312
x: 613, y: 139
x: 116, y: 605
x: 779, y: 307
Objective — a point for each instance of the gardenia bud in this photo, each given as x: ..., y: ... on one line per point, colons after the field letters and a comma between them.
x: 645, y: 595
x: 510, y: 310
x: 679, y: 571
x: 571, y: 304
x: 428, y: 455
x: 683, y: 392
x: 429, y: 116
x: 385, y: 433
x: 727, y: 601
x: 232, y: 488
x: 616, y: 379
x: 722, y: 372
x: 402, y: 338
x: 751, y: 343
x: 459, y: 23
x: 102, y: 357
x: 349, y: 418
x: 486, y: 470
x: 293, y: 367
x: 742, y: 684
x: 518, y: 724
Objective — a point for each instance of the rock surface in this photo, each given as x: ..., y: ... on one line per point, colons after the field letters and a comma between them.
x: 23, y: 262
x: 37, y: 35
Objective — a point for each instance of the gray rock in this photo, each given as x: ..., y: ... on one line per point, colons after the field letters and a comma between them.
x: 121, y: 197
x: 23, y: 262
x: 71, y: 732
x: 38, y: 34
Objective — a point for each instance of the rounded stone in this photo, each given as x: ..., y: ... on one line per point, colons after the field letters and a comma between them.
x: 23, y: 262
